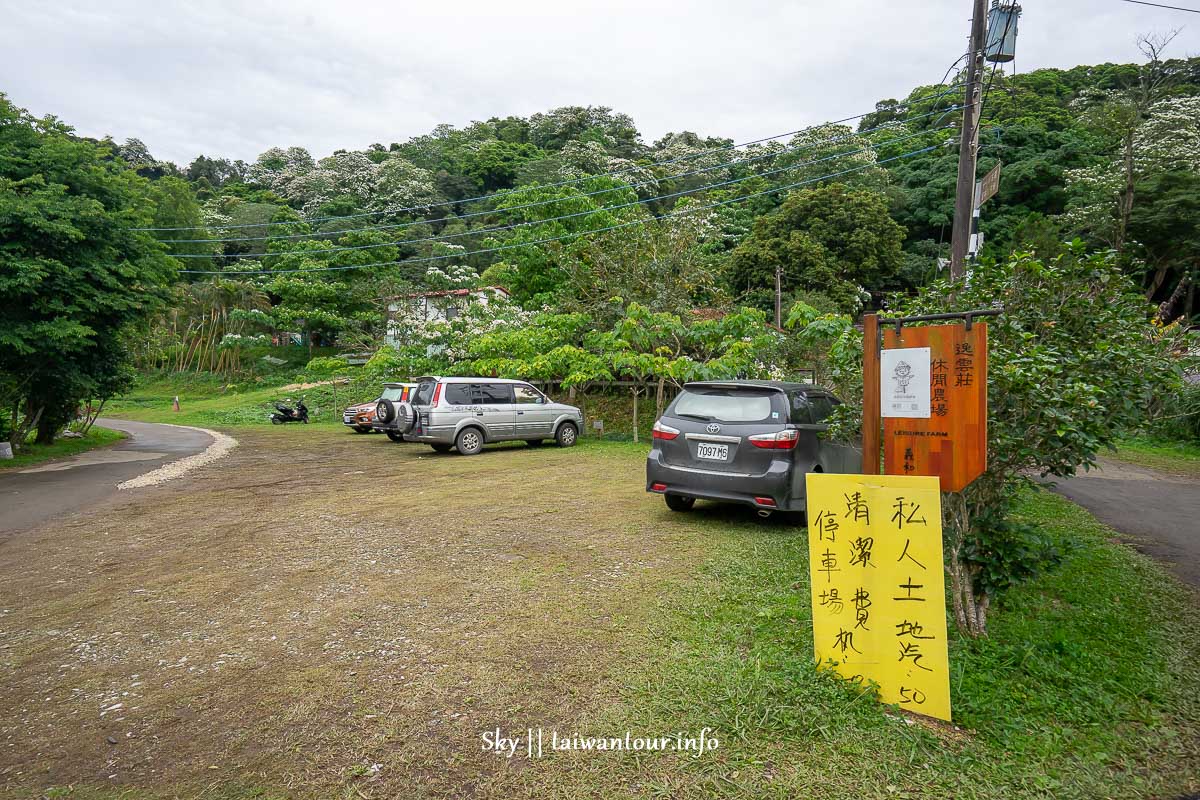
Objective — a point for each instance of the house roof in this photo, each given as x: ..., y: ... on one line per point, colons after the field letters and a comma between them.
x: 454, y: 292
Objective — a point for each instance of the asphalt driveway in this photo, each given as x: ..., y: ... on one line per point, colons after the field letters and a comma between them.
x: 33, y: 495
x: 1158, y: 513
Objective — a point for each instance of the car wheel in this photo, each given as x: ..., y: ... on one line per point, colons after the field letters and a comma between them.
x: 534, y: 442
x: 395, y: 437
x: 566, y: 434
x: 441, y: 448
x: 361, y: 429
x: 677, y: 502
x: 469, y: 441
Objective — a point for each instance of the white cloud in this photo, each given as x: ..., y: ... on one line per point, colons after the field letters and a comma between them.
x: 232, y: 79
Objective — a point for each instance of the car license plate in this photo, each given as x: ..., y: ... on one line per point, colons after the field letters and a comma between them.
x: 712, y: 452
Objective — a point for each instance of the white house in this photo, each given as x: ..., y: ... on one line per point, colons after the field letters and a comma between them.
x: 421, y: 308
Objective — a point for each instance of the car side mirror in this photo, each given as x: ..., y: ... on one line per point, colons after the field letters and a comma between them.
x: 541, y: 401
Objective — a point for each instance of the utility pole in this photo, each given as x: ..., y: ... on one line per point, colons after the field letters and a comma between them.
x: 778, y: 296
x: 968, y: 148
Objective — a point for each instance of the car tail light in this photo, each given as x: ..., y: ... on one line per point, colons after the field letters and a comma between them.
x: 765, y: 501
x: 661, y: 431
x: 784, y: 440
x: 658, y: 487
x: 437, y: 393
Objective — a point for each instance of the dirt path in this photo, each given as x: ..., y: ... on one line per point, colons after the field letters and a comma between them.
x: 33, y: 495
x: 1160, y: 513
x: 326, y: 614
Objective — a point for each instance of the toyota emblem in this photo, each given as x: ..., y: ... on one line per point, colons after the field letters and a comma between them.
x: 713, y: 428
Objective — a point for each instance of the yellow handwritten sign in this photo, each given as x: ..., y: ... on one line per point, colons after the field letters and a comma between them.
x: 878, y: 592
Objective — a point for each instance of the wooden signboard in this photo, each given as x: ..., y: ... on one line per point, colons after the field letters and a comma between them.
x: 942, y: 432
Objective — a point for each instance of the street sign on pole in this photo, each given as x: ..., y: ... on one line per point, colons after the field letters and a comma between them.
x: 989, y: 185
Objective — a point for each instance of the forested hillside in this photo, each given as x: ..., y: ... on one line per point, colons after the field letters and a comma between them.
x: 1109, y: 154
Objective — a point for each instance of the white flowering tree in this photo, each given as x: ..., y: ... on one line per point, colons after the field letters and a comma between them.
x: 1165, y: 138
x: 1143, y: 202
x: 278, y: 168
x: 401, y: 185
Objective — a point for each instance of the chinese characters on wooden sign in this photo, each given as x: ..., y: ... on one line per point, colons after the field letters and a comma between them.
x: 950, y: 440
x: 878, y: 597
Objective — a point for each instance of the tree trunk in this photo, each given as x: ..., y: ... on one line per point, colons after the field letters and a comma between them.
x: 970, y: 608
x: 1126, y: 207
x: 658, y: 398
x: 1190, y: 303
x: 33, y: 418
x: 1160, y: 276
x: 92, y: 416
x: 1165, y: 314
x: 636, y: 392
x: 45, y: 431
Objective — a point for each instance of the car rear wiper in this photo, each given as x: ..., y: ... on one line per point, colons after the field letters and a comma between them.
x: 695, y: 417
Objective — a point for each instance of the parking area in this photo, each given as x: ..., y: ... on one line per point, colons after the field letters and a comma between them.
x: 323, y: 609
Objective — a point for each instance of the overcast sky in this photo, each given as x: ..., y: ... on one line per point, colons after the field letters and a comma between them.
x: 234, y: 78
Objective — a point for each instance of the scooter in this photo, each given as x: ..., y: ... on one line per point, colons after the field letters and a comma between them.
x: 284, y: 414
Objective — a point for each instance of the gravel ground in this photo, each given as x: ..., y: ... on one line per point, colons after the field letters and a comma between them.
x: 220, y: 447
x: 321, y: 614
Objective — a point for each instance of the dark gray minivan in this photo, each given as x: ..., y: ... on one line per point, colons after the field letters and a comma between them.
x: 748, y: 442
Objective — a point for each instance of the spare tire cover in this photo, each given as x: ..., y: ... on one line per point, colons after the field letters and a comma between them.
x: 383, y: 411
x: 406, y: 417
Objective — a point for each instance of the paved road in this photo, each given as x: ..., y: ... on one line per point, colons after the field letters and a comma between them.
x: 1158, y: 513
x: 33, y: 495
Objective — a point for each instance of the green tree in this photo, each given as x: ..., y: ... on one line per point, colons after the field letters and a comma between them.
x: 833, y: 239
x: 175, y: 206
x: 74, y: 277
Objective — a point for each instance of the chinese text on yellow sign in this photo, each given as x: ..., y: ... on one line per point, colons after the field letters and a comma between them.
x: 878, y: 597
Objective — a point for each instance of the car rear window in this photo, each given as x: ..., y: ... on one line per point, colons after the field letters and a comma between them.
x: 423, y: 394
x: 392, y: 393
x: 727, y: 405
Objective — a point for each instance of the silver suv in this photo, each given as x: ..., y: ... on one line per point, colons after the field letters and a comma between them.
x: 467, y: 413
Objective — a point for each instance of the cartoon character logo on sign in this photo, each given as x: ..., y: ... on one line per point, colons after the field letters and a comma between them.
x: 906, y: 393
x: 902, y: 375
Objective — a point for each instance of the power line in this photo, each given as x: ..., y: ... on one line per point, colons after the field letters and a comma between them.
x: 506, y: 192
x: 1160, y: 5
x: 511, y: 226
x: 499, y: 248
x: 723, y: 165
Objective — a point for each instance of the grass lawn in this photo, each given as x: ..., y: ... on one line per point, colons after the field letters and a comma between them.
x: 208, y: 402
x: 1179, y: 458
x: 33, y: 454
x: 334, y: 616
